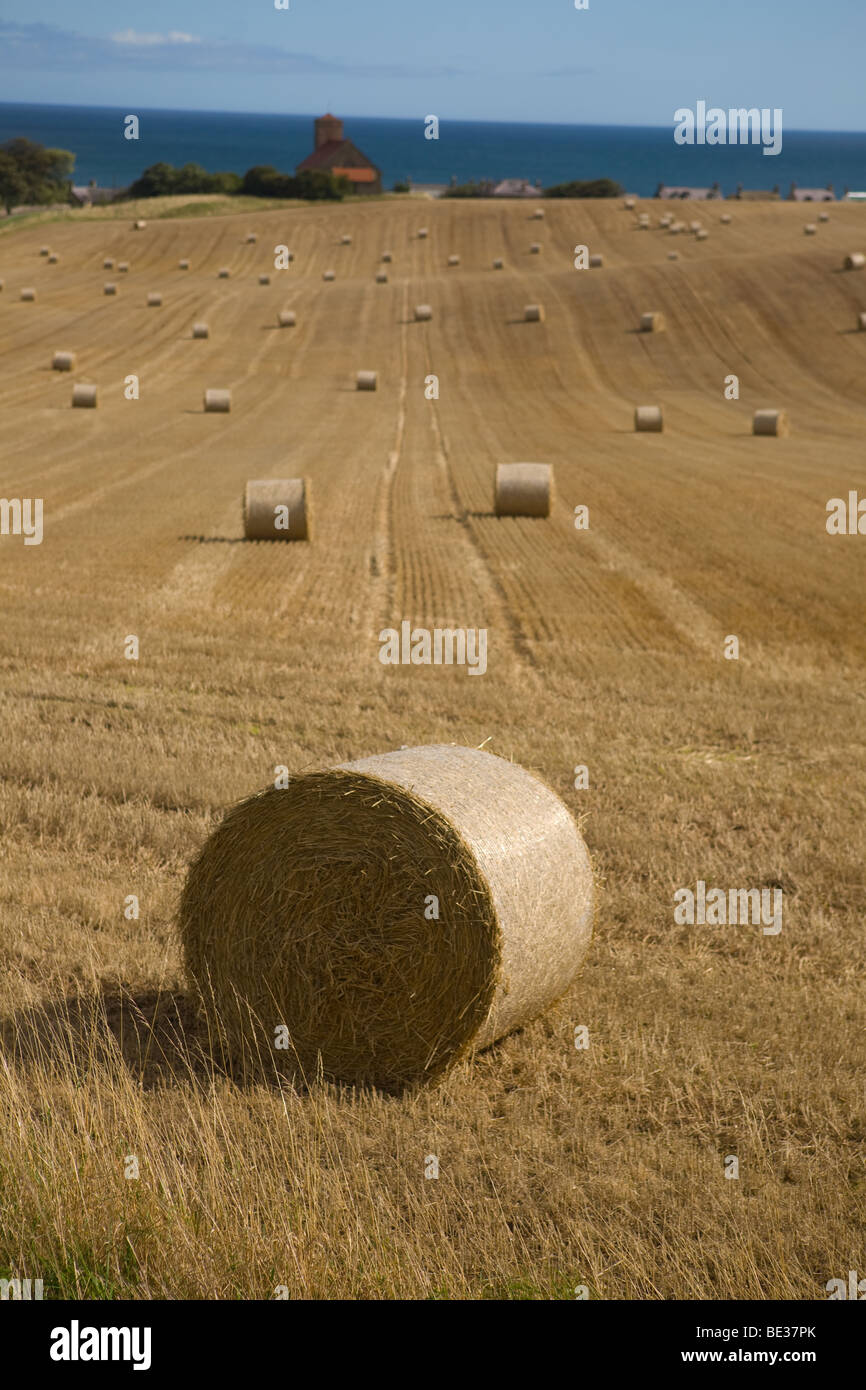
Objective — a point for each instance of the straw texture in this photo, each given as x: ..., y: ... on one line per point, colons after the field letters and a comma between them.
x: 261, y: 499
x: 770, y: 422
x: 306, y: 908
x: 648, y: 418
x: 523, y: 489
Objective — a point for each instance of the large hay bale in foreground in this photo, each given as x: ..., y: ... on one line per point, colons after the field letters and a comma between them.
x: 648, y: 419
x: 85, y: 397
x: 277, y: 509
x: 855, y: 260
x: 533, y: 313
x: 286, y: 318
x: 523, y: 489
x: 63, y: 361
x: 423, y: 313
x: 390, y: 913
x: 367, y: 381
x: 770, y: 422
x: 217, y: 401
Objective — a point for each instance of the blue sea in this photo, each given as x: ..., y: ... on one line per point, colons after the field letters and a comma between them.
x: 637, y: 157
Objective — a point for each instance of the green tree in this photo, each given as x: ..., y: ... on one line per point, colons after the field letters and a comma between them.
x: 32, y: 173
x: 585, y: 188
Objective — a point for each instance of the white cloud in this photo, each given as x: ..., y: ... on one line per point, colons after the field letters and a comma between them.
x: 131, y: 36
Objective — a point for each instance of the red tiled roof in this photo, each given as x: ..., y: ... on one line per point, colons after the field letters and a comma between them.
x: 321, y: 158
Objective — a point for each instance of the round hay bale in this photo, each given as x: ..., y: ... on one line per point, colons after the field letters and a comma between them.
x: 695, y: 226
x: 328, y: 275
x: 643, y: 221
x: 286, y: 318
x: 629, y: 204
x: 224, y: 273
x: 523, y: 489
x: 264, y: 279
x: 673, y: 255
x: 183, y: 265
x: 702, y: 234
x: 861, y: 322
x: 28, y: 294
x: 251, y: 238
x: 652, y: 323
x: 423, y: 313
x: 306, y: 908
x: 140, y: 225
x: 367, y: 381
x: 200, y: 330
x: 108, y: 263
x: 773, y: 422
x: 533, y: 313
x: 277, y: 509
x: 381, y: 277
x: 823, y: 217
x: 45, y: 250
x: 648, y: 418
x: 453, y: 260
x: 422, y: 233
x: 535, y: 248
x: 855, y: 260
x: 345, y: 241
x: 63, y: 361
x: 123, y: 266
x: 810, y: 229
x: 499, y: 263
x: 53, y: 258
x: 109, y: 287
x: 725, y: 218
x: 217, y: 401
x: 666, y: 220
x: 154, y: 300
x: 2, y: 283
x: 596, y: 262
x: 538, y: 214
x: 84, y: 397
x: 387, y: 257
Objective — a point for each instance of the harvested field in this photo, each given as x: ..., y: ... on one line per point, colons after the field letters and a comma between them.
x: 558, y: 1165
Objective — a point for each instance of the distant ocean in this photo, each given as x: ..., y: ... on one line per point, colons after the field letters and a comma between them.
x: 637, y: 157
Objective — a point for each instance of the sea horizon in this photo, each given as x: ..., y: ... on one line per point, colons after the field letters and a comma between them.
x: 638, y: 157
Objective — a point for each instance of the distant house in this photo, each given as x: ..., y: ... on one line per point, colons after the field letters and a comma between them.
x: 757, y: 195
x: 852, y: 196
x: 338, y: 155
x: 668, y: 190
x: 517, y: 188
x: 812, y: 195
x: 87, y: 195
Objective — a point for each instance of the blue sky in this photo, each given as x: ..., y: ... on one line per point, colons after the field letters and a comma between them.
x: 626, y: 62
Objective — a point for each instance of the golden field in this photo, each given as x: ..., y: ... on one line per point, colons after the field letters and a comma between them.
x: 558, y: 1167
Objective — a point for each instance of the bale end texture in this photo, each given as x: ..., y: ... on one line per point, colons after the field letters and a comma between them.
x: 773, y: 422
x: 308, y: 907
x: 277, y: 509
x: 648, y: 418
x: 523, y: 489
